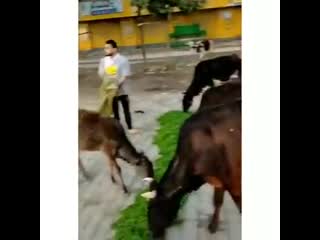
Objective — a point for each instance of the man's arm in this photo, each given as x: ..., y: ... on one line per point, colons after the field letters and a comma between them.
x: 125, y: 72
x: 101, y: 69
x: 122, y: 79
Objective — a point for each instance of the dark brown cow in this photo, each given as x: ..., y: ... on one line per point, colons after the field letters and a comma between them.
x: 209, y: 150
x: 223, y: 94
x: 98, y: 133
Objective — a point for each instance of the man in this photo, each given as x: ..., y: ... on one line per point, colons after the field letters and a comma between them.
x: 109, y: 86
x: 119, y: 66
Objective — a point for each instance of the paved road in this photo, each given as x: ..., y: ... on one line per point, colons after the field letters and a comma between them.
x: 100, y: 201
x: 160, y: 52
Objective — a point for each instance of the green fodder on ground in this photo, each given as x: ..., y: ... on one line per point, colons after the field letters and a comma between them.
x: 133, y: 223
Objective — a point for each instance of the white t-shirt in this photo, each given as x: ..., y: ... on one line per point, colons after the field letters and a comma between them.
x: 118, y: 66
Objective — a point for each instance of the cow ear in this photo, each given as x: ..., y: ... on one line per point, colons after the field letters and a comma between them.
x: 149, y: 195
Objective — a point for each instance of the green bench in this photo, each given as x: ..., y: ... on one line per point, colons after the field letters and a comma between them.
x: 184, y: 33
x: 187, y: 31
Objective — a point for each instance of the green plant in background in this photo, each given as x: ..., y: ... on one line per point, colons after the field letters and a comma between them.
x: 133, y: 222
x: 189, y: 6
x: 164, y: 8
x: 161, y: 8
x: 140, y: 5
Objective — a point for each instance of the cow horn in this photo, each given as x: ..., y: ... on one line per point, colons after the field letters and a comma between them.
x: 149, y: 195
x: 148, y: 180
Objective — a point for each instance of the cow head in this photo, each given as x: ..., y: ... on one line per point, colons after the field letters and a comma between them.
x: 147, y: 164
x: 163, y: 207
x: 186, y: 102
x: 238, y: 63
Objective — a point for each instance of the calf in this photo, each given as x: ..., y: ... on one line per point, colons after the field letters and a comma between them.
x: 223, y: 94
x: 97, y: 133
x: 209, y: 150
x: 220, y: 68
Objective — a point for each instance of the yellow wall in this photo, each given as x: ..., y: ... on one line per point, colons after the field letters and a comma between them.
x: 129, y: 32
x: 103, y: 30
x: 154, y: 34
x: 220, y: 23
x: 84, y: 37
x: 218, y: 20
x: 226, y: 28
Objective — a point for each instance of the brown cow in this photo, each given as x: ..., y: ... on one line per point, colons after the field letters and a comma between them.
x: 209, y: 150
x: 223, y: 94
x: 97, y: 133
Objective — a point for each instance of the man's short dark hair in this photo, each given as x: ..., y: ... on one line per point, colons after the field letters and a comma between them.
x: 112, y: 43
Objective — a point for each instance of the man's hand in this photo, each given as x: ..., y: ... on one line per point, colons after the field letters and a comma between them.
x: 122, y: 80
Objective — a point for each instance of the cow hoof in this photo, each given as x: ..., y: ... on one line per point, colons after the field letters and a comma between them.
x: 125, y: 190
x: 113, y: 180
x: 86, y: 176
x: 213, y: 227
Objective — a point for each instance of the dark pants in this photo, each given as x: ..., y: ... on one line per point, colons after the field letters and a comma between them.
x: 124, y: 99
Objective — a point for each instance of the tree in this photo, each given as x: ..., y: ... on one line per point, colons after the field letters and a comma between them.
x: 140, y: 5
x: 189, y: 6
x: 164, y: 8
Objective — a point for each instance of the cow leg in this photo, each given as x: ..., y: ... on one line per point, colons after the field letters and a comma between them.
x: 237, y: 201
x: 217, y: 201
x: 235, y: 192
x: 121, y: 179
x: 111, y: 165
x: 110, y: 151
x: 83, y: 170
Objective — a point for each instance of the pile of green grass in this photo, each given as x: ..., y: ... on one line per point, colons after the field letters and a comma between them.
x: 133, y: 223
